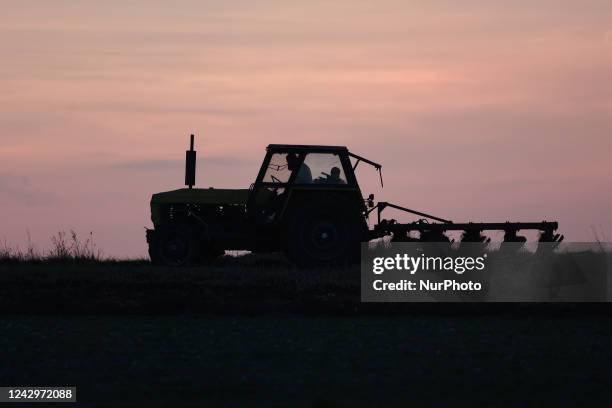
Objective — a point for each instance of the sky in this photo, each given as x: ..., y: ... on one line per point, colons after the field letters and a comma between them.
x: 478, y: 110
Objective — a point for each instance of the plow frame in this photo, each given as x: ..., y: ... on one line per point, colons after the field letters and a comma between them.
x: 386, y: 227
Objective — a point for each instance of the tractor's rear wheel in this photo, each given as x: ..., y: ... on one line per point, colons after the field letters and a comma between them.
x: 324, y: 233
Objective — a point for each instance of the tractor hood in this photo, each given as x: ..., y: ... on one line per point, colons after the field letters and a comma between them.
x: 202, y: 196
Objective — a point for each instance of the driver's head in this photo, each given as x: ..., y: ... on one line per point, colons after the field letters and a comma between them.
x: 292, y: 161
x: 335, y: 172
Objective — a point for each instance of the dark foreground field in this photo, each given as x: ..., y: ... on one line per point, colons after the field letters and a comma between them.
x: 255, y: 284
x: 308, y: 361
x: 258, y: 332
x: 249, y: 284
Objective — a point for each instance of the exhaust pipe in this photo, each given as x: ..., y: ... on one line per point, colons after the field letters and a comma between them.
x: 190, y: 165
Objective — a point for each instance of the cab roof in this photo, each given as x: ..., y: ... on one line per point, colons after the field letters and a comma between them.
x: 309, y: 148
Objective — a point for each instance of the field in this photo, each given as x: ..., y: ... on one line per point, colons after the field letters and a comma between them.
x: 246, y: 284
x: 74, y: 284
x: 256, y: 331
x: 496, y: 359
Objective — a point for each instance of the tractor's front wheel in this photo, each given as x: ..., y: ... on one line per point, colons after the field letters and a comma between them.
x: 174, y: 245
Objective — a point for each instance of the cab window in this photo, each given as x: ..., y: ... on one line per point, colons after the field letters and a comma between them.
x: 277, y: 171
x: 325, y: 168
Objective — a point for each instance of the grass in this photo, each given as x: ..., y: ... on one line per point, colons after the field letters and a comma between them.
x: 246, y: 284
x: 65, y: 247
x: 74, y: 277
x: 249, y: 284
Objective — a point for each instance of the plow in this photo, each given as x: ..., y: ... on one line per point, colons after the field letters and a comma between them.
x: 471, y: 231
x: 305, y: 202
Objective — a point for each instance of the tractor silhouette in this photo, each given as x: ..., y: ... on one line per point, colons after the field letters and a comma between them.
x: 305, y: 202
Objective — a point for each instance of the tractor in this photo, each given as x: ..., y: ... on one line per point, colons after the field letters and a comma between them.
x: 305, y: 202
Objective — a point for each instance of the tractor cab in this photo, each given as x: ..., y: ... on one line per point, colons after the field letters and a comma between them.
x: 306, y: 165
x: 289, y: 172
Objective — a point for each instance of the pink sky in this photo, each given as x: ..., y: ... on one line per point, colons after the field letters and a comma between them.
x: 478, y: 111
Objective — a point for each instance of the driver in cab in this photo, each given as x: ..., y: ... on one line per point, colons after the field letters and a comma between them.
x: 332, y: 178
x: 304, y: 174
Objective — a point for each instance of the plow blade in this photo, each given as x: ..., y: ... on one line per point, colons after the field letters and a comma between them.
x: 471, y: 232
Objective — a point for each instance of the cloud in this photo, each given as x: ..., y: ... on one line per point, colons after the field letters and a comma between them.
x: 164, y: 165
x: 158, y: 109
x: 20, y: 190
